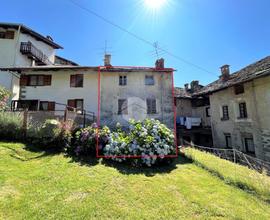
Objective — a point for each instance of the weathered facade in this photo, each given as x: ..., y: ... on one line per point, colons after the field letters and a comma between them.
x: 240, y: 103
x: 123, y: 92
x: 195, y: 109
x: 143, y: 99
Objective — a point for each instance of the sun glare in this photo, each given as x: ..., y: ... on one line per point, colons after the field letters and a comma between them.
x: 154, y: 4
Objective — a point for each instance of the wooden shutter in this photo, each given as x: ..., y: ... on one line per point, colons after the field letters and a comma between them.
x: 79, y: 80
x: 23, y: 80
x: 72, y: 80
x: 10, y: 35
x: 51, y: 106
x: 47, y: 80
x: 71, y: 103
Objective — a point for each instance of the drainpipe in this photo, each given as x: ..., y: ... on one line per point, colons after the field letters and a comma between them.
x: 16, y: 45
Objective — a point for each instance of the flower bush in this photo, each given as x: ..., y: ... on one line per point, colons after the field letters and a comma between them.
x: 85, y: 140
x: 4, y: 96
x: 149, y: 139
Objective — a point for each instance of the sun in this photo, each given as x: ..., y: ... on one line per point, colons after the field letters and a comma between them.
x: 154, y: 4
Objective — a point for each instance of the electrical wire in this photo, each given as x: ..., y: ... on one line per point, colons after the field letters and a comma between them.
x: 138, y: 37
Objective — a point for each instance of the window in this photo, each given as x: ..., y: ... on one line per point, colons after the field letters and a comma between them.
x: 249, y: 145
x: 7, y: 34
x: 76, y: 80
x: 151, y: 106
x: 228, y: 140
x: 46, y: 106
x: 75, y: 104
x: 35, y: 80
x: 149, y: 80
x: 242, y: 110
x: 122, y: 80
x: 238, y: 89
x: 207, y: 111
x: 225, y: 113
x: 122, y: 106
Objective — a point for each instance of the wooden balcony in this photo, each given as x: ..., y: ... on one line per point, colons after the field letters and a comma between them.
x: 27, y: 48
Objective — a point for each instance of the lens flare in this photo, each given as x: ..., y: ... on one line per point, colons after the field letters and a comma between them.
x: 154, y: 4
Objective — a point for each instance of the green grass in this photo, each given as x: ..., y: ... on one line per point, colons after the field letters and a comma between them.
x: 240, y: 176
x: 40, y: 185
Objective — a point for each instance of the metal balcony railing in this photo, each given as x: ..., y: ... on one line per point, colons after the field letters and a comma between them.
x: 31, y: 51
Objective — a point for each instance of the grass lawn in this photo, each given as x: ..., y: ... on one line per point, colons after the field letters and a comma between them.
x: 38, y: 185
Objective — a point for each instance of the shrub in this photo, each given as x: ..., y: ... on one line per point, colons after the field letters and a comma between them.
x: 52, y: 133
x: 149, y: 139
x: 85, y: 140
x: 11, y: 126
x: 4, y: 95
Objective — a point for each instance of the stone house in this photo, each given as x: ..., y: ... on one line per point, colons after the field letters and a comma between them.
x: 240, y: 103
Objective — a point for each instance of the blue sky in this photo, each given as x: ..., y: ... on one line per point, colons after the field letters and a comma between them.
x: 208, y: 33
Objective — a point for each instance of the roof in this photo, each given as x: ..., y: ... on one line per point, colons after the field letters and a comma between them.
x: 258, y: 69
x: 65, y: 61
x: 103, y: 69
x: 25, y: 29
x: 182, y: 93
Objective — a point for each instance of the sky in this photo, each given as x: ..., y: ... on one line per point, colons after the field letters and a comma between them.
x: 206, y: 34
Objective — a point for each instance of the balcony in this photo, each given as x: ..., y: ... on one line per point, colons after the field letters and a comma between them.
x: 27, y: 48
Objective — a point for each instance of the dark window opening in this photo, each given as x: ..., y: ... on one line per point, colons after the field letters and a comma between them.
x: 242, y: 110
x: 75, y: 104
x: 31, y: 105
x: 35, y: 80
x: 249, y: 145
x: 225, y: 112
x: 228, y: 140
x: 207, y: 111
x: 151, y: 106
x: 149, y: 80
x: 122, y: 80
x: 46, y: 106
x: 238, y: 89
x: 122, y: 106
x: 76, y: 80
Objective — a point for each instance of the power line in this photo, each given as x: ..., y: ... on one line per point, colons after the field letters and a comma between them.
x: 138, y: 37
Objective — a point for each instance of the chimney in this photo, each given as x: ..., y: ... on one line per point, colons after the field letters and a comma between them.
x: 160, y: 63
x: 107, y: 60
x: 225, y: 72
x: 194, y: 85
x: 186, y: 86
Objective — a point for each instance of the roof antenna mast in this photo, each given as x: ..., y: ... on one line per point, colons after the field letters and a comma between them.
x: 156, y: 49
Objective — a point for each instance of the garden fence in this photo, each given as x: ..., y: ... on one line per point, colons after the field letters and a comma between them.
x: 35, y: 119
x: 235, y: 156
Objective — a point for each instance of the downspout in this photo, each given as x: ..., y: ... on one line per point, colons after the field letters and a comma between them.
x: 16, y: 45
